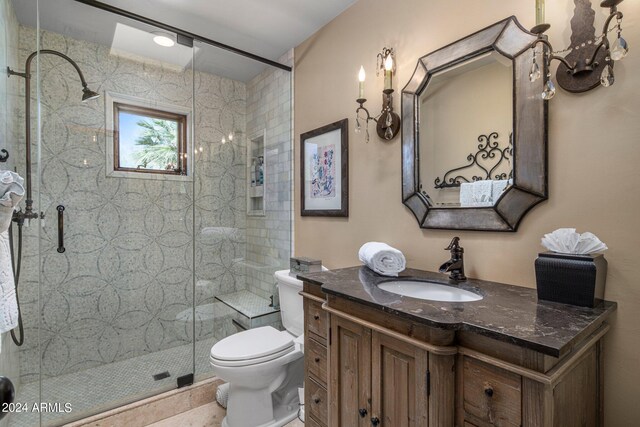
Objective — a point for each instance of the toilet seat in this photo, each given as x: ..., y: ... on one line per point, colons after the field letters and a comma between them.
x: 251, y: 347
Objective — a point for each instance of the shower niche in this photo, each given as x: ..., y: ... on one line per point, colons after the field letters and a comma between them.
x: 256, y: 173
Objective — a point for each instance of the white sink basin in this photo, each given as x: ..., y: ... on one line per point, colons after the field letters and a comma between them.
x: 429, y: 291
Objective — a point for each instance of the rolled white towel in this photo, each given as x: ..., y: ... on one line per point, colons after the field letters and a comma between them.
x: 382, y: 258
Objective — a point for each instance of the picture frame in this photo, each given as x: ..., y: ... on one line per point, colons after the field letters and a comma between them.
x: 324, y: 171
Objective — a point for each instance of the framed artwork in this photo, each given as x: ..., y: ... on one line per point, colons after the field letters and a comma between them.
x: 324, y: 170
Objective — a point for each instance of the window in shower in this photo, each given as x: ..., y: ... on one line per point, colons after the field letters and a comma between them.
x: 147, y: 138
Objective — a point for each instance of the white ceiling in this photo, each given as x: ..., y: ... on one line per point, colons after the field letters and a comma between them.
x: 268, y: 28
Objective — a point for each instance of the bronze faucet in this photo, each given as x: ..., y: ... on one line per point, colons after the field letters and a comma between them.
x: 455, y: 265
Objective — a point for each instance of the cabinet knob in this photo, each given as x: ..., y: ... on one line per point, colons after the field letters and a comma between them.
x: 363, y: 412
x: 316, y: 400
x: 375, y: 421
x: 317, y: 359
x: 316, y: 317
x: 488, y: 391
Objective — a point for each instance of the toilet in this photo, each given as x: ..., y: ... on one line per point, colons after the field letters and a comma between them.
x: 264, y: 366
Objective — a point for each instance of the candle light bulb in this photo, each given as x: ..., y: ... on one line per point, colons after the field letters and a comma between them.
x: 388, y: 71
x: 388, y: 63
x: 361, y: 77
x: 539, y: 12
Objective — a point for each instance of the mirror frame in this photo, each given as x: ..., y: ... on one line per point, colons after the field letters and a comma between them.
x: 530, y: 185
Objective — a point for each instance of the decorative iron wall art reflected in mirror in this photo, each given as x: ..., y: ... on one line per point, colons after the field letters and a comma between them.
x: 474, y: 145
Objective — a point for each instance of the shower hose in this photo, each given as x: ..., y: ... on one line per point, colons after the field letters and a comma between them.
x: 16, y: 274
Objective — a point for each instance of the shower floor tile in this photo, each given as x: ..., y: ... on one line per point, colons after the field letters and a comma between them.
x: 105, y: 387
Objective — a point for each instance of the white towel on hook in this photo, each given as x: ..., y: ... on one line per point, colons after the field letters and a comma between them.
x: 482, y: 192
x: 382, y: 258
x: 498, y: 187
x: 476, y: 194
x: 11, y: 192
x: 466, y: 194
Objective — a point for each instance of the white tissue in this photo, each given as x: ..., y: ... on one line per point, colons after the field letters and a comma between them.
x: 567, y: 241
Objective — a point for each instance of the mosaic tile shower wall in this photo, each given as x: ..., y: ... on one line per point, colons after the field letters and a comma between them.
x: 9, y: 355
x: 124, y: 286
x: 269, y: 106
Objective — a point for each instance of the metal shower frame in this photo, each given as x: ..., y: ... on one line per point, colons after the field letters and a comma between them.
x: 183, y: 37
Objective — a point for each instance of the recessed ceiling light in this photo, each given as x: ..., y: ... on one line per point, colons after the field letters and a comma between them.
x: 163, y: 39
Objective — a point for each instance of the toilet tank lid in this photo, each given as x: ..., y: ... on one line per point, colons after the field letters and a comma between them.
x: 283, y: 276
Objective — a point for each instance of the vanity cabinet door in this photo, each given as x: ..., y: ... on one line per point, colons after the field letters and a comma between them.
x: 350, y: 374
x: 399, y: 374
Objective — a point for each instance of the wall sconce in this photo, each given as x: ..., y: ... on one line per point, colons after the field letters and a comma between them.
x: 387, y: 122
x: 588, y: 61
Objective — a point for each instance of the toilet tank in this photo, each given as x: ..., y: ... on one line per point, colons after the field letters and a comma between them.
x: 291, y: 310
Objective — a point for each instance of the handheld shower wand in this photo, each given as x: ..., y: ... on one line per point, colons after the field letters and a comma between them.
x: 20, y: 216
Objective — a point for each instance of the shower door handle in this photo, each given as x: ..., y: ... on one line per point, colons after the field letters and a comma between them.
x: 60, y: 210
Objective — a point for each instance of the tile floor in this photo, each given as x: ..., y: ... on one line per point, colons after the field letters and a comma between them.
x: 105, y: 387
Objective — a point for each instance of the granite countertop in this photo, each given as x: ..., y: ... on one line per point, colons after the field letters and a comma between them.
x: 507, y: 313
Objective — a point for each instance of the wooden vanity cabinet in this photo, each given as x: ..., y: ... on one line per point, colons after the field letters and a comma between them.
x: 500, y: 384
x: 350, y: 374
x: 316, y: 334
x: 365, y: 367
x: 400, y: 382
x: 380, y: 377
x: 489, y: 396
x: 376, y: 379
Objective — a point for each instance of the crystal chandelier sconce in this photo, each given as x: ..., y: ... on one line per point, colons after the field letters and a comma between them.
x: 387, y: 122
x: 588, y: 61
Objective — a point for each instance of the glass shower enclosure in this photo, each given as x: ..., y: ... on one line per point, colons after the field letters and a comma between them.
x: 163, y: 207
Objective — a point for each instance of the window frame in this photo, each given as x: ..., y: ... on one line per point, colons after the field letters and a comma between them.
x: 116, y: 103
x: 180, y: 119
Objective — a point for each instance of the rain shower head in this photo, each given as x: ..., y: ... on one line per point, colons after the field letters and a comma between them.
x: 88, y: 94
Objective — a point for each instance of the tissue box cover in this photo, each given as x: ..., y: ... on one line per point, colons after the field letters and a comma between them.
x: 571, y: 279
x: 304, y: 265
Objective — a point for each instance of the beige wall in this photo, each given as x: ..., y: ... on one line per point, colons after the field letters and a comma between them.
x: 594, y: 162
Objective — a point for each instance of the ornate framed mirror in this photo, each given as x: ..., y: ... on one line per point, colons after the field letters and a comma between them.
x: 474, y: 134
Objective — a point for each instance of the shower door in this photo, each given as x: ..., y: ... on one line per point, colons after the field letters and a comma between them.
x: 242, y: 224
x: 115, y: 185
